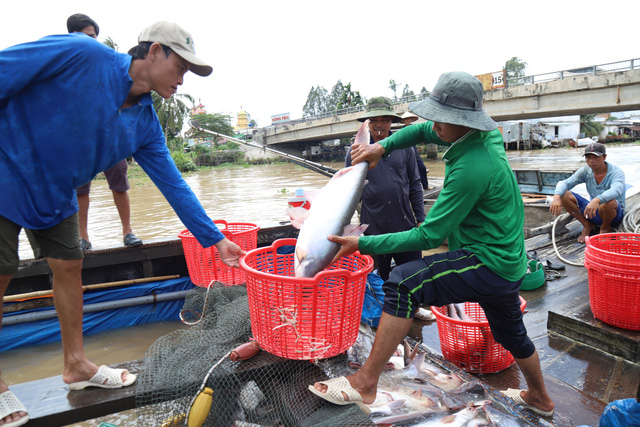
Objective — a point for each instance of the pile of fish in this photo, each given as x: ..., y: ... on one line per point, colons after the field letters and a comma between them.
x: 471, y: 346
x: 413, y: 391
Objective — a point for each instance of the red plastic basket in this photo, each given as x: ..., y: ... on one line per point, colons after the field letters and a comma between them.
x: 204, y: 264
x: 614, y: 249
x: 614, y: 278
x: 304, y: 318
x: 470, y: 345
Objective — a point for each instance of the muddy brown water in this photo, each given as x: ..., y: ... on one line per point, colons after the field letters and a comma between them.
x: 256, y: 194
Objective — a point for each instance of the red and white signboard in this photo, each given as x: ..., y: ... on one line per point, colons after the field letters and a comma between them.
x: 280, y: 118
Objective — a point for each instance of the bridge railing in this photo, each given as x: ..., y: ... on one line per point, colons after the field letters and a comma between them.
x: 627, y: 65
x: 630, y: 64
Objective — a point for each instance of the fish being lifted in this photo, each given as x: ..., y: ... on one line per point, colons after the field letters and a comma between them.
x: 330, y: 214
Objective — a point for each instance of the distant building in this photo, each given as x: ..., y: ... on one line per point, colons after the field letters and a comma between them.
x: 197, y: 109
x: 244, y: 120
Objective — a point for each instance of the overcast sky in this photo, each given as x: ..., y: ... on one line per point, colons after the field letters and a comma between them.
x: 266, y: 55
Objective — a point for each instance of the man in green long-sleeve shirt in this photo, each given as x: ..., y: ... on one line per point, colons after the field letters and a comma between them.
x: 480, y: 212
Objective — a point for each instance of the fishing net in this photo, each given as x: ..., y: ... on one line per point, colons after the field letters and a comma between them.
x: 264, y: 390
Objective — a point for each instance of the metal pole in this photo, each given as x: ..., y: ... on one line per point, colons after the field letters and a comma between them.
x: 90, y: 308
x: 316, y: 167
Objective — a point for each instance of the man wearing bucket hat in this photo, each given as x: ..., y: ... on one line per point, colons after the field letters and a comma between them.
x: 606, y: 186
x: 393, y: 199
x: 480, y: 212
x: 71, y: 108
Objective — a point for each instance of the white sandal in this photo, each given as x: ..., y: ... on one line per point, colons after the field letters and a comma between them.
x: 335, y: 388
x: 10, y: 404
x: 106, y: 377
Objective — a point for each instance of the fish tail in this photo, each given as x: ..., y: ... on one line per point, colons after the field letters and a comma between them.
x: 362, y: 137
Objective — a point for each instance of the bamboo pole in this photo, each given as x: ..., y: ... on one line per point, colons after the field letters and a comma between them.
x: 48, y: 293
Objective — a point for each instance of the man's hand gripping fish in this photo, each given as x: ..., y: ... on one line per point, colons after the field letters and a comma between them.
x: 330, y: 214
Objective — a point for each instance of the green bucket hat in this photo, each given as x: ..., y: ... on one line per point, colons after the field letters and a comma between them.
x: 380, y: 106
x: 456, y: 99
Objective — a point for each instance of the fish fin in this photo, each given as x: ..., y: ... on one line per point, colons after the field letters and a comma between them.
x: 300, y: 253
x: 298, y: 216
x: 363, y: 135
x: 354, y: 229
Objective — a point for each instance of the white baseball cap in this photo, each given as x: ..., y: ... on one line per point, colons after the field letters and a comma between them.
x: 179, y: 40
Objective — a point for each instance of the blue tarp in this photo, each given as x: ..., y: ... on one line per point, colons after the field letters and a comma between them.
x: 45, y: 331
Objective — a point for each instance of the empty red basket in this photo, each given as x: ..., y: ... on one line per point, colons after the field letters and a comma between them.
x: 304, y: 318
x: 204, y: 264
x: 612, y: 261
x: 470, y: 345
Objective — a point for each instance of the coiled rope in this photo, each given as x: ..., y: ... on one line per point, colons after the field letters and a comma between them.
x: 630, y: 224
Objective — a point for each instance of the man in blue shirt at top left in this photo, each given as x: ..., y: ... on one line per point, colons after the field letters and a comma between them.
x: 70, y: 108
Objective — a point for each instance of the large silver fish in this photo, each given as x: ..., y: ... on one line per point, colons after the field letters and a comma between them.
x: 330, y: 213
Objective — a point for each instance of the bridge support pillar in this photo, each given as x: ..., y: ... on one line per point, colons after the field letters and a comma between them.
x: 432, y: 151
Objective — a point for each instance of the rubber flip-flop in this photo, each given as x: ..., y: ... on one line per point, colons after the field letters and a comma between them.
x: 514, y: 394
x: 335, y: 387
x: 10, y: 404
x: 106, y: 377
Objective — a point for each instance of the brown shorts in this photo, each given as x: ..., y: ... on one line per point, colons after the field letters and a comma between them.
x: 61, y: 241
x: 116, y: 177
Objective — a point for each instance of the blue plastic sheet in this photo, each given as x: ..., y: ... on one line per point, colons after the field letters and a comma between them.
x: 621, y: 413
x: 373, y: 300
x: 45, y: 331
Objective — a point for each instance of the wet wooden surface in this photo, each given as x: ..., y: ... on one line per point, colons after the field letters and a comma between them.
x: 580, y: 378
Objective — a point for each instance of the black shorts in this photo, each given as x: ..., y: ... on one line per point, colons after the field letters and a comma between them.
x: 59, y: 242
x: 116, y: 177
x: 456, y: 277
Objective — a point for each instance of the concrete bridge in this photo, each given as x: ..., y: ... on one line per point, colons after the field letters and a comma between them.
x: 584, y: 94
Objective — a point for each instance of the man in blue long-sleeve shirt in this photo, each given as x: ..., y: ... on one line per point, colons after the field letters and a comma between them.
x: 606, y: 187
x: 70, y: 108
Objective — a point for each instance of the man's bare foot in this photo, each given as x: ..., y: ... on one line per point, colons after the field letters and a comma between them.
x: 585, y: 232
x: 366, y: 390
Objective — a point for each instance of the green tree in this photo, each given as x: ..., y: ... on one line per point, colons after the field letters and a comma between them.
x: 590, y: 127
x: 213, y: 122
x: 406, y: 92
x: 316, y: 102
x: 394, y: 87
x: 112, y: 44
x: 335, y: 96
x: 172, y: 112
x: 349, y: 98
x: 514, y: 70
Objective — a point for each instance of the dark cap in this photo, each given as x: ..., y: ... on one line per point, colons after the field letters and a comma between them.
x: 380, y: 106
x: 595, y: 148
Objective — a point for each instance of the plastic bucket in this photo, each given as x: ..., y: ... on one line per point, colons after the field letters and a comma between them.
x: 304, y: 318
x: 204, y: 264
x: 470, y: 345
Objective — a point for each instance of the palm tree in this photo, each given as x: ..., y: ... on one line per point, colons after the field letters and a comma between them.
x: 112, y: 44
x: 589, y: 127
x: 172, y: 112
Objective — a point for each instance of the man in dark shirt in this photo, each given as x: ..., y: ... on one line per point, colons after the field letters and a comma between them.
x: 392, y: 199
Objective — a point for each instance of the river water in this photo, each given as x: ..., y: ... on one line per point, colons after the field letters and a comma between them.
x: 256, y: 194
